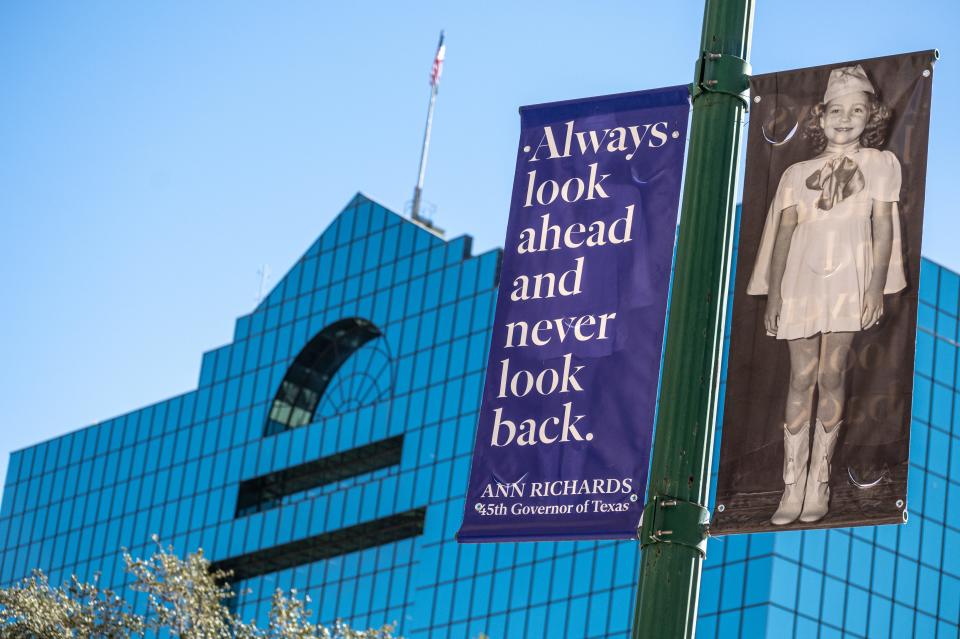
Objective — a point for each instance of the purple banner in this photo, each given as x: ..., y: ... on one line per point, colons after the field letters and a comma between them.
x: 564, y: 432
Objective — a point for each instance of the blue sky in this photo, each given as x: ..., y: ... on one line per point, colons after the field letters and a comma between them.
x: 154, y: 155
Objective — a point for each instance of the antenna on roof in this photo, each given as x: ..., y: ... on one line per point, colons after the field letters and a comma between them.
x: 264, y: 273
x: 435, y: 72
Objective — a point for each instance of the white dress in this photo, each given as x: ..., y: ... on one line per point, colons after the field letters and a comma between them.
x: 830, y: 261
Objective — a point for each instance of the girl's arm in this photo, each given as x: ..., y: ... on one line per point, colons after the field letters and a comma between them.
x: 882, y: 223
x: 778, y: 264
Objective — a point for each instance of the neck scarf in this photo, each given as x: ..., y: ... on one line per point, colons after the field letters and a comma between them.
x: 837, y: 180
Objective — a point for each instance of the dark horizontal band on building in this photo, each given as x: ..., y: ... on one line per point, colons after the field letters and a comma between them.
x: 325, y: 546
x: 267, y: 491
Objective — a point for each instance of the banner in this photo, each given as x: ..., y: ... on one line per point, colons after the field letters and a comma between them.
x: 564, y: 431
x: 816, y: 425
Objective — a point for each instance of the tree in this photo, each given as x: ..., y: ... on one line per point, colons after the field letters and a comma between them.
x: 185, y: 599
x: 184, y: 596
x: 33, y: 608
x: 289, y: 619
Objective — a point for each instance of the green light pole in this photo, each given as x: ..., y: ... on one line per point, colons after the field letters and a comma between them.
x: 673, y: 533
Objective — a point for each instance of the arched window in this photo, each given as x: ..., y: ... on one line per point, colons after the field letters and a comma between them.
x: 317, y: 365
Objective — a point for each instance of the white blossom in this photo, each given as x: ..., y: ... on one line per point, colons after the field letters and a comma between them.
x: 34, y: 609
x: 185, y: 599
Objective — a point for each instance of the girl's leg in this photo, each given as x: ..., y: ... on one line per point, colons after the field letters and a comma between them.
x: 831, y: 380
x: 804, y: 364
x: 804, y: 356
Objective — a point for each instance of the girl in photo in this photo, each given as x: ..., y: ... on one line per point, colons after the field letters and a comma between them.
x: 830, y: 251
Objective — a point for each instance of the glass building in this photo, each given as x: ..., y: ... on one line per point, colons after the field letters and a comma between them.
x: 327, y: 448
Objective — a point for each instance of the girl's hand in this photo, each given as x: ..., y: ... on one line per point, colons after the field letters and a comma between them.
x: 771, y: 316
x: 872, y: 309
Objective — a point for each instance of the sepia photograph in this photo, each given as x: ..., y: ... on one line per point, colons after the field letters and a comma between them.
x: 817, y: 418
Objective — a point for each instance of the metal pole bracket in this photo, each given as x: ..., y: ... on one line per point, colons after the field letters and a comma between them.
x: 721, y: 73
x: 667, y: 520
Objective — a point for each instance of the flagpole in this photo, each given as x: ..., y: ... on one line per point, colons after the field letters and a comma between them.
x: 434, y: 85
x: 418, y: 190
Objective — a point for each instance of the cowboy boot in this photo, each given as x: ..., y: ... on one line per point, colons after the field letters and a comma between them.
x: 817, y: 500
x: 796, y: 453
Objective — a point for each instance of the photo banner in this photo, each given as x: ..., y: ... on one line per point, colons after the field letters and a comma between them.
x: 816, y: 424
x: 564, y: 430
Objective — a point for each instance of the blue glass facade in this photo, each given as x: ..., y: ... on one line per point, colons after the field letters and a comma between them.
x: 885, y: 581
x: 327, y: 448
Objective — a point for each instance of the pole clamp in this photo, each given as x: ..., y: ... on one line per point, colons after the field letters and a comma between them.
x: 722, y: 73
x: 667, y: 520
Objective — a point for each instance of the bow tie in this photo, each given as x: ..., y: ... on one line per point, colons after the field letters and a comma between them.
x: 837, y: 180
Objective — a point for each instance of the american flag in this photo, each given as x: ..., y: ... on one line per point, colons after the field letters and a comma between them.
x: 438, y: 63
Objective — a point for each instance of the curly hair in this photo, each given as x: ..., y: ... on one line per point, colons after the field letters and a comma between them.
x: 874, y: 133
